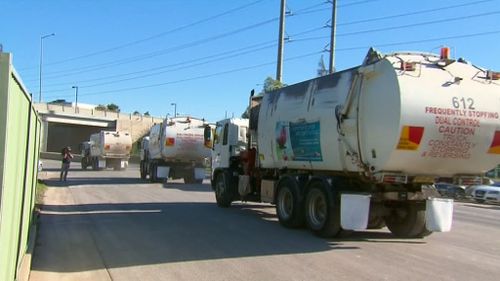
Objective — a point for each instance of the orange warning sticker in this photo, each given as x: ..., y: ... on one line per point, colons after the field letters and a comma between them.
x: 495, y: 144
x: 410, y: 138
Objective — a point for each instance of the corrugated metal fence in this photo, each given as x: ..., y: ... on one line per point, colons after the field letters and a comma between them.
x: 20, y: 129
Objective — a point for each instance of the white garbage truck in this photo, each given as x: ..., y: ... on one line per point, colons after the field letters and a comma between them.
x: 176, y: 149
x: 106, y: 149
x: 361, y: 148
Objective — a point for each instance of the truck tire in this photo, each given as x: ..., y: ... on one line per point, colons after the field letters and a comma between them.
x: 408, y: 221
x: 95, y: 164
x: 84, y: 163
x: 289, y: 203
x: 152, y: 172
x: 142, y: 168
x: 189, y: 179
x: 322, y: 210
x: 376, y: 222
x: 223, y: 190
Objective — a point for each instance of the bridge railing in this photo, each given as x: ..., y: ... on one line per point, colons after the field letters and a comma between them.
x: 92, y: 112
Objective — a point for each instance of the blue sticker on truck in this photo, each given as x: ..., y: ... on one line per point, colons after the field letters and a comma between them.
x: 299, y: 141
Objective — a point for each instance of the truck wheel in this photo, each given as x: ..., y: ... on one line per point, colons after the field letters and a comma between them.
x: 95, y: 164
x: 152, y: 172
x: 84, y: 163
x: 289, y: 203
x: 376, y: 222
x: 142, y: 168
x: 189, y: 179
x: 322, y: 210
x: 408, y: 221
x: 223, y: 192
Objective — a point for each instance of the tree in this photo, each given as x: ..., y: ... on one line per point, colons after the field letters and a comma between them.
x: 113, y: 107
x: 270, y: 85
x: 147, y: 113
x: 321, y: 67
x: 59, y: 101
x: 101, y: 107
x: 136, y: 113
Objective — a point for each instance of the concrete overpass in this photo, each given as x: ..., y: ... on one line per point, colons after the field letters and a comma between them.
x: 64, y: 125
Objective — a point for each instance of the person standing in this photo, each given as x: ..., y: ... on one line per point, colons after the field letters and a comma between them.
x: 67, y: 156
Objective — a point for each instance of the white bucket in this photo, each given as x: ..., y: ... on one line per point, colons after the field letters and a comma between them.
x: 354, y: 210
x: 199, y: 173
x: 162, y: 172
x: 438, y: 214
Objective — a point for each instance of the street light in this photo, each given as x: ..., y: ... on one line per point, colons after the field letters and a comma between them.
x: 41, y: 62
x: 76, y: 98
x: 175, y: 108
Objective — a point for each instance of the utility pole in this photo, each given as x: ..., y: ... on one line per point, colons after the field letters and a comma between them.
x: 41, y: 63
x: 281, y: 41
x: 332, y: 38
x: 76, y: 98
x: 175, y: 108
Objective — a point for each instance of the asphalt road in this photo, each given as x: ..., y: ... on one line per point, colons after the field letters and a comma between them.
x: 110, y: 225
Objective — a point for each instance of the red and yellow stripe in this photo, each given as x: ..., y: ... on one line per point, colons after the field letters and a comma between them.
x: 495, y: 144
x: 410, y: 138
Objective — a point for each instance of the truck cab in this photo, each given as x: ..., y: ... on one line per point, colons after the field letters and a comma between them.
x: 230, y: 139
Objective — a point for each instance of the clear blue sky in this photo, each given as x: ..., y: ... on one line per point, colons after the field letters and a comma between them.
x: 206, y: 56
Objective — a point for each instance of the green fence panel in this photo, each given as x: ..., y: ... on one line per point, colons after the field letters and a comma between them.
x: 19, y: 149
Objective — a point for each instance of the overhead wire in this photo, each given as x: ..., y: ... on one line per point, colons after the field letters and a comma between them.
x: 404, y: 26
x: 288, y: 59
x: 173, y: 30
x: 157, y: 53
x: 198, y: 77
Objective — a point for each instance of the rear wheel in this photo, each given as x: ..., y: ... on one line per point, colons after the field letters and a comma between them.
x: 192, y: 180
x: 143, y: 170
x: 322, y: 210
x: 289, y: 203
x: 95, y: 164
x: 408, y: 221
x: 375, y: 222
x: 223, y: 190
x: 152, y: 172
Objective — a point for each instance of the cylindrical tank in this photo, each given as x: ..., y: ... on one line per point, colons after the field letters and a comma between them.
x: 111, y: 144
x: 179, y: 139
x: 412, y: 113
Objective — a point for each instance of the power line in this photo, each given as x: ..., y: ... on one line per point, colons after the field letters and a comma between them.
x: 404, y: 26
x: 219, y: 56
x: 423, y: 40
x: 215, y: 57
x: 171, y: 70
x: 414, y: 13
x: 158, y: 53
x: 293, y: 58
x: 225, y: 53
x: 309, y: 11
x: 200, y: 76
x: 230, y: 11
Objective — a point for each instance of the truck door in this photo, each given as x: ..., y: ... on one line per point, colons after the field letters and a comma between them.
x: 220, y: 152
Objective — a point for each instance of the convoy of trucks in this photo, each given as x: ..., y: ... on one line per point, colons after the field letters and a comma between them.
x: 106, y: 149
x: 350, y: 150
x: 175, y: 149
x: 358, y: 148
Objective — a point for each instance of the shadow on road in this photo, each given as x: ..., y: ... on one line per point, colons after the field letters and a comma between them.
x: 154, y: 233
x: 72, y: 181
x: 189, y: 187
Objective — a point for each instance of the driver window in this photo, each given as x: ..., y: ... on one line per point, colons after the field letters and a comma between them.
x: 225, y: 133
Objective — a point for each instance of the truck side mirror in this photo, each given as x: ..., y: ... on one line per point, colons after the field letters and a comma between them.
x: 207, y: 137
